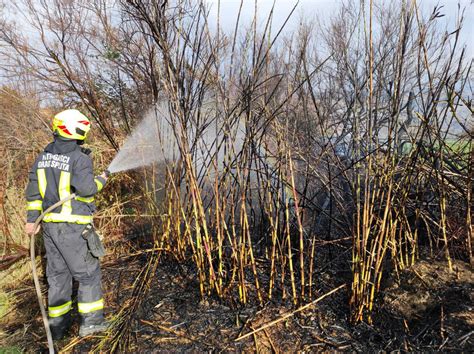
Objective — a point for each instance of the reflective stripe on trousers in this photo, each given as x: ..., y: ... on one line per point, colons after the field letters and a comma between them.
x: 56, y: 311
x: 87, y: 307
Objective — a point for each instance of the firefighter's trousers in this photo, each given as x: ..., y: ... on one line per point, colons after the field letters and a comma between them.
x: 68, y: 257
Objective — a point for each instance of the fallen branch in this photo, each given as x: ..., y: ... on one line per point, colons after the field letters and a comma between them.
x: 284, y: 317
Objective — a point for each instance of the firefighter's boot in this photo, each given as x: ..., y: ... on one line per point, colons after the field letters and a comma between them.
x: 60, y: 326
x: 88, y: 329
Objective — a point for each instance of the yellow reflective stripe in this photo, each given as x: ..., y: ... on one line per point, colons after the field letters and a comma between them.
x: 35, y: 205
x: 98, y: 184
x: 57, y: 311
x: 74, y: 219
x: 86, y: 307
x: 85, y: 199
x: 41, y: 181
x: 64, y: 190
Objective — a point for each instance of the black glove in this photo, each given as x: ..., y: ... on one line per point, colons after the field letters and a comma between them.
x: 93, y: 241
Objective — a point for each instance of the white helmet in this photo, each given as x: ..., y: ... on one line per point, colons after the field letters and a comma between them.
x: 71, y: 124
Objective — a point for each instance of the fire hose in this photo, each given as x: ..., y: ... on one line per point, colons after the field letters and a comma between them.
x: 35, y: 273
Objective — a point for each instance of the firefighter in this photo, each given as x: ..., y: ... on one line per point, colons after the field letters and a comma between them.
x: 63, y: 168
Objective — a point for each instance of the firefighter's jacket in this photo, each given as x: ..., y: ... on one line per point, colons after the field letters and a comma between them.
x: 61, y: 169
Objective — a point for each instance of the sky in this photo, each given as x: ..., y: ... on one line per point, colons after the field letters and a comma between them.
x: 312, y: 9
x: 308, y: 10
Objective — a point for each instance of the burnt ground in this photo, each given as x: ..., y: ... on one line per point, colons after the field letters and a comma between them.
x: 425, y: 308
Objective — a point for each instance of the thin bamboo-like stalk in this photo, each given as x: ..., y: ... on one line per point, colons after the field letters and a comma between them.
x: 300, y: 227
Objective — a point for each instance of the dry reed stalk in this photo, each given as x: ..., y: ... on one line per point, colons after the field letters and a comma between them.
x: 290, y: 314
x: 300, y: 227
x: 469, y: 198
x: 290, y: 251
x: 119, y: 336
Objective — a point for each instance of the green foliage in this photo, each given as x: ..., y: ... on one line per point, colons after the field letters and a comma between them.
x: 10, y: 350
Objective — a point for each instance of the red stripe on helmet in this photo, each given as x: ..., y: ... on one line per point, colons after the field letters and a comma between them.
x: 64, y: 129
x: 85, y: 122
